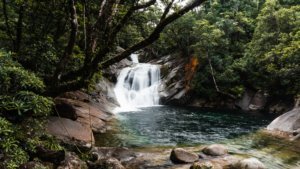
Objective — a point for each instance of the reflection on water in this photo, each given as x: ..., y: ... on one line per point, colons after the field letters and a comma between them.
x: 173, y: 126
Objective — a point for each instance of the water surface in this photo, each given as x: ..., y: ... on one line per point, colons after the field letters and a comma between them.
x: 174, y: 126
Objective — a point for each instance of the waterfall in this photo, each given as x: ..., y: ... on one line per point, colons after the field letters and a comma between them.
x: 137, y: 86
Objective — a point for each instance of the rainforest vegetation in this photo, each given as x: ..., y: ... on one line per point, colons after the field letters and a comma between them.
x: 55, y: 46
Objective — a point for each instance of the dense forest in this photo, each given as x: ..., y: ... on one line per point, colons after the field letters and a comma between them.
x: 51, y: 47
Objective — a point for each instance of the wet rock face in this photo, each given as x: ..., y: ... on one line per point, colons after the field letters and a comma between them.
x: 250, y: 163
x: 175, y: 80
x: 114, y: 70
x: 215, y: 150
x: 181, y: 156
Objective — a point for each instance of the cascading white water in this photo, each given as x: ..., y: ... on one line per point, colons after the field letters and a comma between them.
x: 137, y: 86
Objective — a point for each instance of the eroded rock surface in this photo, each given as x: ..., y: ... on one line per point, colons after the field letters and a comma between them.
x: 70, y: 131
x: 250, y: 163
x: 215, y: 150
x: 203, y: 165
x: 79, y: 115
x: 179, y: 155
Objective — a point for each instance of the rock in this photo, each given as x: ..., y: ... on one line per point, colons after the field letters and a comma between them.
x: 76, y: 95
x: 122, y: 154
x: 288, y: 122
x: 297, y: 102
x: 179, y: 155
x: 258, y: 102
x: 72, y: 161
x: 70, y: 131
x: 250, y: 163
x: 49, y: 155
x: 104, y: 86
x: 113, y: 71
x: 34, y: 165
x: 87, y: 113
x: 106, y: 163
x: 245, y: 101
x: 215, y: 150
x: 174, y: 88
x: 202, y: 165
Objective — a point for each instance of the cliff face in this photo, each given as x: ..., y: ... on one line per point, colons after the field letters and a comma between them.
x: 176, y: 76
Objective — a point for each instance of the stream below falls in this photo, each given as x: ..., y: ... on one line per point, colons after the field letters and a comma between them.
x: 167, y: 127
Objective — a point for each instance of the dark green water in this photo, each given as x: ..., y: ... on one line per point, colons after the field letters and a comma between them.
x: 173, y: 126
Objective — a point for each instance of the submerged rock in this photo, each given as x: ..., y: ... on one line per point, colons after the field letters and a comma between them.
x: 215, y: 150
x: 179, y: 155
x: 250, y: 163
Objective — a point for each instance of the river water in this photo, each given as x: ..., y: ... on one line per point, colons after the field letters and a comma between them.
x: 165, y: 126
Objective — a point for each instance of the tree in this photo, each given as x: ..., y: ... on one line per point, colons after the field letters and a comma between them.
x: 273, y: 54
x: 92, y: 30
x: 210, y: 37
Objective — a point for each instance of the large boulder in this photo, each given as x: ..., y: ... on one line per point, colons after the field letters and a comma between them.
x: 252, y: 101
x: 250, y: 163
x: 258, y: 102
x: 79, y: 115
x: 84, y: 109
x: 215, y: 150
x: 180, y: 156
x: 288, y: 122
x: 70, y: 131
x: 86, y: 113
x: 245, y: 101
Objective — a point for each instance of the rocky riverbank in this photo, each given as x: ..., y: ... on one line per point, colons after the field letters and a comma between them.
x: 80, y: 115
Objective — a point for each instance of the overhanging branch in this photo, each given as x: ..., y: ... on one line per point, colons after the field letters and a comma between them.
x: 153, y: 36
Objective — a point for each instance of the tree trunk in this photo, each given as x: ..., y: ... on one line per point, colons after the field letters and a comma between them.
x: 212, y: 71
